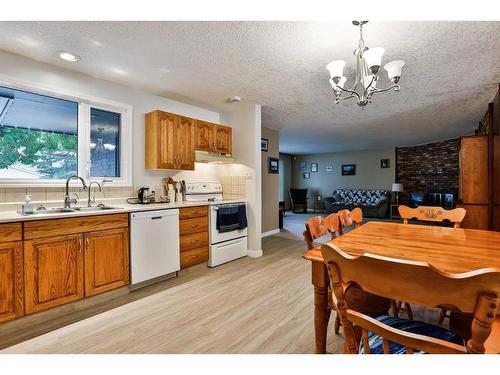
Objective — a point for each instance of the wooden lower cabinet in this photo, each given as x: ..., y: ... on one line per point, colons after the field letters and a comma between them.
x: 193, y: 229
x: 53, y: 271
x: 191, y: 257
x: 476, y: 216
x: 106, y: 260
x: 11, y: 280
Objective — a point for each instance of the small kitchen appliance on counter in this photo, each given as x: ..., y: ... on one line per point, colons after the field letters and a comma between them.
x: 143, y: 197
x: 227, y: 222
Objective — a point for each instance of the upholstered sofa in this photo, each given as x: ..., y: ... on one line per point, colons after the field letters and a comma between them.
x: 373, y: 203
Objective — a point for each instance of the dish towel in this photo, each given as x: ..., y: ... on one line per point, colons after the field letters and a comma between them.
x: 231, y: 217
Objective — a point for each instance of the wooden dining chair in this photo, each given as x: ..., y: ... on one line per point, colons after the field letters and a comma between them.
x: 317, y: 227
x: 348, y: 218
x: 432, y: 214
x: 476, y: 292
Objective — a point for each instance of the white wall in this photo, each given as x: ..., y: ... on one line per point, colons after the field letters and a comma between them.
x: 54, y: 78
x: 369, y: 175
x: 245, y: 120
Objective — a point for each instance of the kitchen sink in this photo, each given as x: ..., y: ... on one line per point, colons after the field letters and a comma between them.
x: 96, y: 208
x: 61, y: 210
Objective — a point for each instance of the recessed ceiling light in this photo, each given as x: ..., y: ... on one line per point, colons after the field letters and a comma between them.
x: 68, y: 56
x: 234, y: 99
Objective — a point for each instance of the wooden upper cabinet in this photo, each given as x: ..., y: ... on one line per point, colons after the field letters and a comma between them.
x: 169, y: 141
x: 185, y: 143
x: 223, y: 139
x: 204, y: 136
x: 213, y: 138
x: 53, y: 271
x: 106, y: 260
x: 167, y: 133
x: 11, y: 280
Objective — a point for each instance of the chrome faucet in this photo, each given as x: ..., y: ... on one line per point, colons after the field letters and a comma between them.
x: 67, y: 200
x: 89, y: 187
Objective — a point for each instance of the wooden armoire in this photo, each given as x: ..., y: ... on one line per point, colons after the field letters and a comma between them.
x: 480, y: 172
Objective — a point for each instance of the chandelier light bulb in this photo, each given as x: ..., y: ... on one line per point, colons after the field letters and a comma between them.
x: 340, y: 85
x: 373, y: 58
x: 394, y: 69
x: 336, y: 69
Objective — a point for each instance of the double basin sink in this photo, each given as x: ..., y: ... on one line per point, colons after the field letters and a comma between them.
x: 61, y: 210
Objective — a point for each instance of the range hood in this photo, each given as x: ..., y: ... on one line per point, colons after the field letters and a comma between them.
x: 212, y: 157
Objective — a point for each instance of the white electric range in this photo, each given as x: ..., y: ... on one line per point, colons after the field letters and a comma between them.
x: 224, y: 245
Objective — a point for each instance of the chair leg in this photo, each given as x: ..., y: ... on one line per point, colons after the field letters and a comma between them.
x: 395, y: 309
x: 442, y: 316
x: 408, y: 311
x: 337, y: 323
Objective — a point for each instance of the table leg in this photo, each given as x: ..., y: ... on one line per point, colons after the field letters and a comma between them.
x: 320, y: 281
x: 321, y: 318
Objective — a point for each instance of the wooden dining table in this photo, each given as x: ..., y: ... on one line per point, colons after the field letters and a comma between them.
x: 453, y: 250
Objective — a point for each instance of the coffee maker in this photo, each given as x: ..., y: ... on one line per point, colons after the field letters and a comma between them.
x: 144, y: 197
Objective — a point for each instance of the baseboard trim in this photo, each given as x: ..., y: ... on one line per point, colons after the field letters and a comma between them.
x: 254, y: 253
x: 270, y: 233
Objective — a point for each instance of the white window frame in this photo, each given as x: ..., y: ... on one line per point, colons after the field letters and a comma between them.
x: 85, y: 103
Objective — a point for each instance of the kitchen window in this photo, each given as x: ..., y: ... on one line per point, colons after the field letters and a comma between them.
x: 46, y: 136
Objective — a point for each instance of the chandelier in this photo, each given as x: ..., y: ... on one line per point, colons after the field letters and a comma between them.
x: 368, y: 61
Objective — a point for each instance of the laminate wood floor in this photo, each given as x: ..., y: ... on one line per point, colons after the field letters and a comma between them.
x: 262, y: 305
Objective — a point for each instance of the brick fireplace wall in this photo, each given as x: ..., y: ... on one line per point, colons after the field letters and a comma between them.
x: 433, y: 166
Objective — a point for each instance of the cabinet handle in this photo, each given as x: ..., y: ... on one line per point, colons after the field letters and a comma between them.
x: 194, y: 225
x: 195, y: 213
x: 87, y: 241
x: 194, y: 241
x: 80, y: 245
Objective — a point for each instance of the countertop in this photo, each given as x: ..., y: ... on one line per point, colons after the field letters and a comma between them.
x: 13, y: 216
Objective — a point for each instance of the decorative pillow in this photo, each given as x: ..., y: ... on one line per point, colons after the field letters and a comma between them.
x: 412, y: 326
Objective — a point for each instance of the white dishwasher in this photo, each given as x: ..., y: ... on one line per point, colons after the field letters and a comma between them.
x: 154, y: 243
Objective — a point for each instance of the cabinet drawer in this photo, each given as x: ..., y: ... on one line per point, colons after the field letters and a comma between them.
x: 10, y: 232
x: 192, y: 241
x: 190, y: 212
x: 191, y: 257
x: 57, y: 227
x: 196, y: 225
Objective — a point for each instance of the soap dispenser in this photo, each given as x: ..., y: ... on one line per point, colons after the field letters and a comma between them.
x: 27, y: 207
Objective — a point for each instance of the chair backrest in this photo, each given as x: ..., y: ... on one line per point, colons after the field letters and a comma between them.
x: 298, y: 195
x: 415, y: 282
x: 348, y: 218
x: 319, y: 226
x: 431, y: 213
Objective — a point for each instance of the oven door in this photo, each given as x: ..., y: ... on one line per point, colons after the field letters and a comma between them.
x: 215, y: 236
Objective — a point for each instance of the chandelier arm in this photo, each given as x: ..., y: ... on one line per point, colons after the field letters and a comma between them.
x: 366, y: 93
x: 393, y: 86
x: 353, y: 93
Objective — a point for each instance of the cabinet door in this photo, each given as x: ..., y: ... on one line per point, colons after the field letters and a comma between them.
x: 223, y: 139
x: 185, y: 143
x: 106, y: 260
x: 167, y: 134
x: 53, y: 271
x: 11, y: 281
x: 204, y: 136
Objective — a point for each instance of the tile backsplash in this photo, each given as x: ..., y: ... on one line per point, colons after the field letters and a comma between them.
x: 12, y: 198
x: 233, y: 187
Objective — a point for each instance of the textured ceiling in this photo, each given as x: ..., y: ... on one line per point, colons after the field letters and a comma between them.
x: 451, y: 72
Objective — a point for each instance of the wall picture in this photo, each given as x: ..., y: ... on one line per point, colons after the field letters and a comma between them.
x: 264, y: 144
x: 273, y: 165
x: 329, y: 168
x: 348, y: 169
x: 303, y: 165
x: 385, y: 163
x: 314, y: 167
x: 306, y: 175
